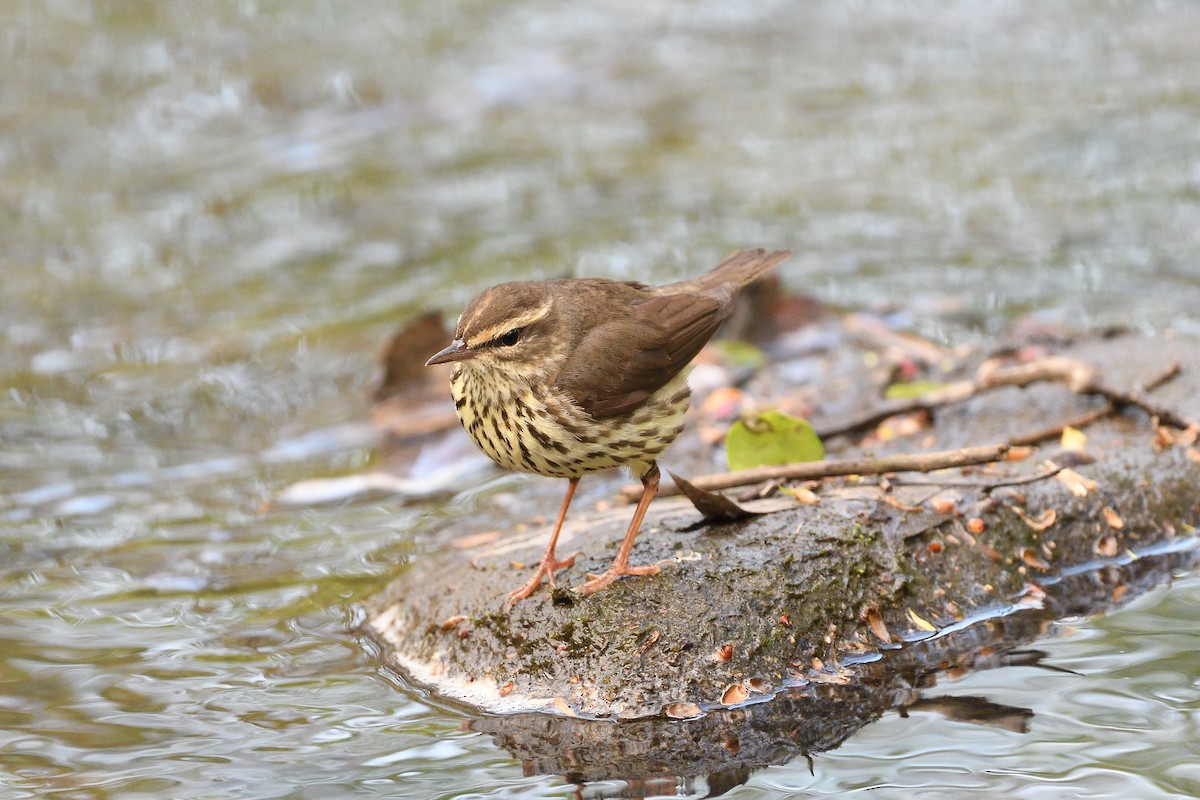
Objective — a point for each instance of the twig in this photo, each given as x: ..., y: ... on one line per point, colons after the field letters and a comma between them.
x: 903, y: 462
x: 1136, y: 397
x: 986, y: 486
x: 1077, y: 375
x: 1054, y: 431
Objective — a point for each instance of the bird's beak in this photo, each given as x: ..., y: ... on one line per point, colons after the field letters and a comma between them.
x: 457, y: 351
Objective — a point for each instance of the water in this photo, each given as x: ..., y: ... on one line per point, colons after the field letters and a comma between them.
x: 214, y: 214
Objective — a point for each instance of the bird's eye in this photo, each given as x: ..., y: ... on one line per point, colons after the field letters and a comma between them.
x: 511, y: 338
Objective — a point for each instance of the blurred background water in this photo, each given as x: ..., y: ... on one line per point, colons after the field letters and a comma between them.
x: 213, y: 215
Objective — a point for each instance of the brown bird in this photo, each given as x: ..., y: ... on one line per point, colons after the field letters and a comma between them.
x: 567, y: 377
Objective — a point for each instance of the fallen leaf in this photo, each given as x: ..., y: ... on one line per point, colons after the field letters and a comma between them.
x: 734, y: 693
x: 1106, y: 546
x: 1163, y: 438
x: 560, y: 705
x: 1112, y: 518
x: 899, y: 505
x: 901, y: 425
x: 759, y: 685
x: 921, y: 623
x: 943, y: 505
x: 683, y: 710
x: 1043, y: 521
x: 912, y: 389
x: 650, y: 640
x: 1119, y: 592
x: 771, y: 438
x: 877, y: 626
x: 1020, y: 453
x: 712, y: 505
x: 1077, y: 484
x: 724, y: 652
x: 837, y: 679
x: 1031, y: 558
x: 506, y: 689
x: 451, y: 622
x: 804, y: 496
x: 1074, y: 440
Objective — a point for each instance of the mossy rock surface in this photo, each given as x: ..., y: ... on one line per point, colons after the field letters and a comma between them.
x: 867, y: 584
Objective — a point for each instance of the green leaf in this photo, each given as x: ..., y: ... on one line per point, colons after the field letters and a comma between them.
x: 911, y: 390
x: 770, y: 438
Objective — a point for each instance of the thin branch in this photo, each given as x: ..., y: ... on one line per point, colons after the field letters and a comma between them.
x: 1077, y: 375
x: 986, y: 486
x: 902, y: 462
x: 1054, y: 431
x: 1137, y: 398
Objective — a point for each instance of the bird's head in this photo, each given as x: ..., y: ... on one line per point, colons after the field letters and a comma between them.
x: 509, y: 328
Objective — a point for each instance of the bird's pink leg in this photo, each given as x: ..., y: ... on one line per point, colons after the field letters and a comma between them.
x: 549, y: 563
x: 620, y: 565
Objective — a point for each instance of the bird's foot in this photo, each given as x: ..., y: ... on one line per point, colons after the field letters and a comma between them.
x: 546, y: 569
x: 608, y: 577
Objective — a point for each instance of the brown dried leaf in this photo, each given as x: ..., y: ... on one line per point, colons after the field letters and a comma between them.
x: 759, y: 685
x: 1043, y: 521
x: 734, y: 693
x: 724, y: 652
x: 877, y: 626
x: 650, y: 640
x: 451, y: 622
x: 837, y: 679
x: 1119, y: 592
x: 896, y: 503
x: 712, y: 505
x: 943, y: 505
x: 506, y: 689
x: 1031, y: 558
x: 804, y: 496
x: 1112, y: 518
x: 683, y: 710
x: 1106, y: 546
x: 1077, y: 484
x: 1163, y: 438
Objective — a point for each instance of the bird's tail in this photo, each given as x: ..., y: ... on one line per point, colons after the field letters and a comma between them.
x: 726, y: 279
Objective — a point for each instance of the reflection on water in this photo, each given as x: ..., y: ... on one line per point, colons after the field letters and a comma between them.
x: 214, y: 214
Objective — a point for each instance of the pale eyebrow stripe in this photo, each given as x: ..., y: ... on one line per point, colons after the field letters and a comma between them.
x: 528, y: 318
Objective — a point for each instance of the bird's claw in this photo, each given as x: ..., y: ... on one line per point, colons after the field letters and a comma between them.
x: 609, y: 577
x: 546, y: 569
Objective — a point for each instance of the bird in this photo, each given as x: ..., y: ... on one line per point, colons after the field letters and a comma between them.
x: 567, y: 377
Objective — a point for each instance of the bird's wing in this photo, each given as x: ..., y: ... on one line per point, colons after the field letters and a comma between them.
x: 620, y: 363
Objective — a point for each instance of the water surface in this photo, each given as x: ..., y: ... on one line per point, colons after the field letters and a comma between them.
x: 215, y: 213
